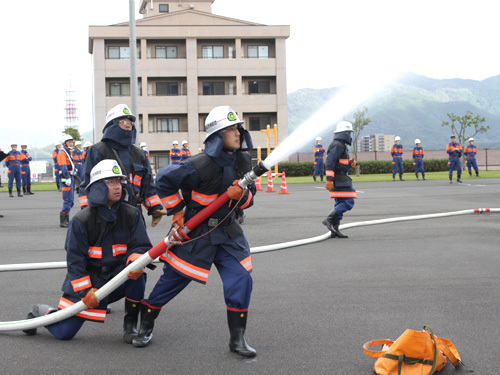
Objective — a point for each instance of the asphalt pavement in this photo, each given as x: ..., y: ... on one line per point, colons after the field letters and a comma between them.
x: 313, y: 306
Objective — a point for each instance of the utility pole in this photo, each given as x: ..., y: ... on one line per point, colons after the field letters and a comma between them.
x: 133, y: 60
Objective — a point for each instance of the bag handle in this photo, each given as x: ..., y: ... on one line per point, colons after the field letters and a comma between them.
x: 449, y: 350
x: 376, y: 353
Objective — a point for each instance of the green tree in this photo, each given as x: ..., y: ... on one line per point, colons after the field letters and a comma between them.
x: 465, y: 127
x: 74, y: 133
x: 358, y: 124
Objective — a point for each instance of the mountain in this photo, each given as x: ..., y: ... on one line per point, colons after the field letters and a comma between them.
x: 412, y: 107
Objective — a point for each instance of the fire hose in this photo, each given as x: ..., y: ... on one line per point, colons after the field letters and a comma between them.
x: 163, y: 246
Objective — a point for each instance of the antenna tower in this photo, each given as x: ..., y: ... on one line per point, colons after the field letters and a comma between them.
x: 70, y: 117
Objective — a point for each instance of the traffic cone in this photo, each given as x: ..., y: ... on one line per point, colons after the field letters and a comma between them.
x: 284, y: 189
x: 270, y: 184
x: 258, y: 184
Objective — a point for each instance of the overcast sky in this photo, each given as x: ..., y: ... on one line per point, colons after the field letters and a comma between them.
x: 45, y: 48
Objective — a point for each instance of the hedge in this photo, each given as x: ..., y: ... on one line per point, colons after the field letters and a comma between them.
x: 294, y: 169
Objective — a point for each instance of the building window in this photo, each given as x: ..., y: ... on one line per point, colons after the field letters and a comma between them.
x: 259, y: 87
x: 258, y: 52
x: 260, y: 122
x: 166, y: 52
x: 163, y: 8
x: 167, y: 125
x: 213, y: 88
x: 213, y: 52
x: 167, y: 89
x: 119, y: 89
x: 118, y: 52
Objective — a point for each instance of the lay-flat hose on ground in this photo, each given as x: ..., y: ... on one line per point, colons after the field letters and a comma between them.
x: 146, y: 259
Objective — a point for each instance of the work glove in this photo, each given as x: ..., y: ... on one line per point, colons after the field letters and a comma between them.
x: 353, y: 163
x: 329, y: 185
x: 134, y: 275
x: 67, y: 182
x: 235, y: 192
x: 156, y: 217
x: 90, y: 300
x: 178, y: 219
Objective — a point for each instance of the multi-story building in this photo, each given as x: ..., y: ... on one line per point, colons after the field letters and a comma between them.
x: 376, y: 142
x: 189, y: 61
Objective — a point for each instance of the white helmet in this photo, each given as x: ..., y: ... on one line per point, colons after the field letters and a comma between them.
x: 397, y: 138
x: 57, y: 143
x: 13, y: 144
x: 417, y: 141
x: 143, y: 144
x: 106, y: 168
x: 65, y: 138
x: 318, y: 139
x: 343, y: 126
x: 120, y: 110
x: 87, y: 144
x: 220, y: 118
x: 471, y: 139
x: 184, y: 142
x: 78, y: 143
x: 175, y: 143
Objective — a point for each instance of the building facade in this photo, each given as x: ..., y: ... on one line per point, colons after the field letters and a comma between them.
x: 189, y: 61
x: 376, y: 142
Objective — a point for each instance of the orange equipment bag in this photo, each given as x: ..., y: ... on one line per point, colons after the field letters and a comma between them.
x: 413, y: 353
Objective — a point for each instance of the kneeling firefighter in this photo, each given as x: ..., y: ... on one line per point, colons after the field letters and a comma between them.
x: 187, y: 188
x: 338, y: 183
x: 101, y: 241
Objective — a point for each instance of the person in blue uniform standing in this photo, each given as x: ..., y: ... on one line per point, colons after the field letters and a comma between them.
x: 117, y: 143
x: 418, y: 159
x: 175, y: 153
x: 454, y: 150
x: 56, y: 166
x: 144, y: 147
x: 338, y: 183
x: 397, y: 159
x: 101, y: 241
x: 67, y: 171
x: 13, y: 162
x: 3, y: 155
x: 78, y: 159
x: 202, y: 178
x: 26, y: 171
x: 185, y: 153
x: 470, y: 157
x: 319, y: 166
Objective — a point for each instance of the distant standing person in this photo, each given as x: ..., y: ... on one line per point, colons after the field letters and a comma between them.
x: 13, y: 162
x: 470, y: 157
x: 338, y: 183
x: 454, y: 150
x: 3, y: 155
x: 78, y: 159
x: 144, y: 148
x: 175, y: 153
x: 56, y: 166
x: 26, y: 171
x: 418, y: 159
x: 67, y: 171
x: 185, y: 153
x: 319, y: 166
x: 397, y: 158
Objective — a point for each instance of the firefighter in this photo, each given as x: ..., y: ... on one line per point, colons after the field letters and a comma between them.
x: 67, y: 171
x: 86, y: 147
x: 144, y: 148
x: 56, y: 166
x: 454, y: 150
x: 397, y: 159
x: 175, y: 153
x: 3, y: 155
x: 338, y: 183
x: 470, y: 157
x: 185, y: 153
x: 13, y: 162
x: 26, y: 171
x: 418, y: 159
x: 319, y: 166
x: 78, y: 159
x: 118, y: 143
x: 202, y: 179
x: 101, y: 241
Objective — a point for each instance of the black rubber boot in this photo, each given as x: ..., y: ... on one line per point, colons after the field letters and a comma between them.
x: 332, y: 222
x: 35, y: 312
x: 458, y: 179
x: 470, y: 174
x: 145, y: 334
x: 322, y: 178
x: 477, y: 173
x: 132, y: 310
x: 401, y: 177
x: 451, y: 180
x: 28, y: 189
x: 19, y: 193
x: 63, y: 219
x: 24, y: 189
x: 10, y: 194
x: 58, y: 187
x: 314, y: 178
x: 416, y: 174
x: 423, y: 176
x: 237, y: 322
x: 393, y: 177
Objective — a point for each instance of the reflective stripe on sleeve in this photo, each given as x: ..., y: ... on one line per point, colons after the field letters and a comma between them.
x: 171, y: 200
x: 203, y: 199
x: 81, y: 283
x: 95, y: 252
